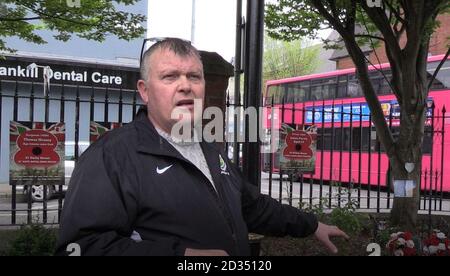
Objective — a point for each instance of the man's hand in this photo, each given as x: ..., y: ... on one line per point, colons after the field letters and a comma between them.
x: 324, y: 232
x: 205, y: 252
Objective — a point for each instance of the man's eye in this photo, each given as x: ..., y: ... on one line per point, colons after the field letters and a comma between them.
x: 169, y: 77
x: 195, y: 77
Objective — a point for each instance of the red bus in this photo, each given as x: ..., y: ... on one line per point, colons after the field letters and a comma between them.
x: 348, y: 150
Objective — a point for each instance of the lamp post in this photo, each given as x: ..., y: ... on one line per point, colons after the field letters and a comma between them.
x: 46, y: 76
x: 193, y: 22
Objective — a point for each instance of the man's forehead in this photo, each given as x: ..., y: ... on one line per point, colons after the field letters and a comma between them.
x: 167, y: 58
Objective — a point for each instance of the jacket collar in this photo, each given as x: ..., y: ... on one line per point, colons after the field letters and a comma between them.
x: 150, y: 142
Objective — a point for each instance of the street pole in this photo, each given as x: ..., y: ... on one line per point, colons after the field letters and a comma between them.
x: 193, y: 22
x: 252, y: 85
x: 237, y: 78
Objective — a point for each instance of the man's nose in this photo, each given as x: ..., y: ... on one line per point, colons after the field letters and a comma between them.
x: 184, y: 85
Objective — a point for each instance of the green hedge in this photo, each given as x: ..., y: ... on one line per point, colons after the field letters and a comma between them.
x: 30, y: 240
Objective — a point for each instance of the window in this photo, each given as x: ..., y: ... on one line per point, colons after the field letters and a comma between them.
x: 442, y: 80
x: 298, y: 91
x: 323, y: 89
x: 354, y: 90
x: 383, y: 85
x: 324, y: 138
x: 360, y: 139
x: 329, y: 139
x: 273, y: 93
x: 376, y: 79
x: 342, y: 86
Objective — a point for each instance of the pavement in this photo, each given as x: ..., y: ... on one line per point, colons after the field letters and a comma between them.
x: 5, y: 190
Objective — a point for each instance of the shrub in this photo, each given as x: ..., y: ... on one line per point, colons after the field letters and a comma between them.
x: 346, y: 219
x: 33, y: 240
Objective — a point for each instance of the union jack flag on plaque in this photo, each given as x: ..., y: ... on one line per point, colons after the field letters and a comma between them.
x: 36, y: 152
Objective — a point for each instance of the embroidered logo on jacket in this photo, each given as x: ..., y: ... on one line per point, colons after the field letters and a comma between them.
x: 163, y: 170
x: 223, y: 166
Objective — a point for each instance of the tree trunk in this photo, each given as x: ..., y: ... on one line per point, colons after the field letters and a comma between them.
x: 408, y: 150
x: 404, y: 210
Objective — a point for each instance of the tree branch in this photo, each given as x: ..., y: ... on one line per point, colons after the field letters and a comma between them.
x: 351, y: 17
x: 395, y: 91
x: 395, y: 11
x: 391, y: 44
x: 333, y: 8
x: 358, y: 58
x: 431, y: 8
x: 44, y: 15
x: 416, y: 25
x: 370, y: 36
x: 379, y: 18
x: 438, y: 69
x: 19, y: 19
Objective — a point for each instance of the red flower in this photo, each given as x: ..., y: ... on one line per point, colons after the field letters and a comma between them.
x: 401, y: 244
x: 407, y: 236
x: 437, y: 244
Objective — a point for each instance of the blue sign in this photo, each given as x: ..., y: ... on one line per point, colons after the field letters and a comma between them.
x: 359, y: 112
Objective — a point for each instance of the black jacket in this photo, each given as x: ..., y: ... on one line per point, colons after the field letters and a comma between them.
x: 119, y: 186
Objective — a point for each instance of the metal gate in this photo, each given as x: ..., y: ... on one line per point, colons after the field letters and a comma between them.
x: 77, y: 106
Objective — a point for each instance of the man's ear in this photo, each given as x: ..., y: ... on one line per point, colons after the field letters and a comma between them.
x: 142, y: 88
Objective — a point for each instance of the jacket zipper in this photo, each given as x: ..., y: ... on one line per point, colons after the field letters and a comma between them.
x: 220, y: 200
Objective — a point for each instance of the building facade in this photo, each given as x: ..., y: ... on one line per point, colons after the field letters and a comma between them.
x: 80, y: 91
x: 438, y: 46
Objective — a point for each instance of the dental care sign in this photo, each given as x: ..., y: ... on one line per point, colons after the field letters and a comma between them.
x: 71, y: 73
x: 70, y: 76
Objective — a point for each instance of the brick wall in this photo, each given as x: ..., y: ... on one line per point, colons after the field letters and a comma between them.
x: 438, y: 45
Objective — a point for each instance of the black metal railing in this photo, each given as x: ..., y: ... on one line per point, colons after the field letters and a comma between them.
x: 358, y: 167
x: 60, y: 104
x: 354, y: 155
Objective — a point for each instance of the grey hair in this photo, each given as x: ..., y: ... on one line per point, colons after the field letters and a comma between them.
x: 178, y: 46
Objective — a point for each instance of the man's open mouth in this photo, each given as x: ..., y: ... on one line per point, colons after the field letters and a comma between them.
x: 185, y: 103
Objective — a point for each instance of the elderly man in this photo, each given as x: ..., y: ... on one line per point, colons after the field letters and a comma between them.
x: 141, y: 191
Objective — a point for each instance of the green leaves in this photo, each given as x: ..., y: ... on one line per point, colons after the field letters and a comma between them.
x: 94, y: 20
x: 288, y: 59
x: 292, y: 19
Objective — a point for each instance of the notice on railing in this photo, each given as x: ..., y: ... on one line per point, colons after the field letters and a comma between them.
x: 298, y: 149
x: 36, y: 153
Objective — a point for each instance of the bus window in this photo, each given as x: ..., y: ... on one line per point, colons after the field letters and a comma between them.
x: 342, y: 87
x: 274, y: 92
x: 442, y: 80
x: 324, y: 138
x: 376, y: 79
x: 354, y: 90
x: 270, y: 94
x: 316, y: 90
x: 384, y: 87
x: 323, y: 89
x: 299, y: 91
x: 329, y: 89
x: 426, y: 144
x: 360, y: 138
